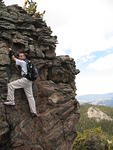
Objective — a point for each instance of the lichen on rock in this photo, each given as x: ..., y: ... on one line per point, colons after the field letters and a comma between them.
x: 54, y: 90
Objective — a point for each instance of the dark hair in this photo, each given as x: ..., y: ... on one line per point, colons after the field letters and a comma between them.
x: 20, y: 53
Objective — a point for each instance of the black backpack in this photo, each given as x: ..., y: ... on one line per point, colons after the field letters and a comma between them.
x: 32, y: 71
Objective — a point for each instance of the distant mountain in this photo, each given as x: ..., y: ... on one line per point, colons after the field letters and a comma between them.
x: 97, y: 99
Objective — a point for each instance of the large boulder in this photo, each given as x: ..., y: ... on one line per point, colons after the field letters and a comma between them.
x: 54, y: 90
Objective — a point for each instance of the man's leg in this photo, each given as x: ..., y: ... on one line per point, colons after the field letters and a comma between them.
x: 29, y: 94
x: 11, y: 88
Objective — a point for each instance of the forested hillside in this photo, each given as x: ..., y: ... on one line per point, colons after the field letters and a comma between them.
x: 94, y: 134
x: 87, y: 123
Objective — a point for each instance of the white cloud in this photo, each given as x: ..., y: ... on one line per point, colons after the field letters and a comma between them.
x: 10, y: 2
x: 104, y: 64
x: 81, y: 26
x: 98, y: 77
x: 94, y: 84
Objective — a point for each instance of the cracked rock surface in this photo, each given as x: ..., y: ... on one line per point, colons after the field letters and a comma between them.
x: 54, y: 90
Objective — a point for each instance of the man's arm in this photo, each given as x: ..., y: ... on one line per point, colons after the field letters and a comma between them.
x: 14, y: 58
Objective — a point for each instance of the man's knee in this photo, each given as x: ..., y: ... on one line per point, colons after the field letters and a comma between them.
x: 10, y: 85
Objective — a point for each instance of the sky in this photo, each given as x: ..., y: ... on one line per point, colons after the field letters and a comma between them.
x: 85, y: 32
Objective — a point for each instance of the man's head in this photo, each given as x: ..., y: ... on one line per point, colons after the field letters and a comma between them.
x: 22, y: 56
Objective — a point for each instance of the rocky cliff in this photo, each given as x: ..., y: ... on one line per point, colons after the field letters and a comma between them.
x: 54, y: 90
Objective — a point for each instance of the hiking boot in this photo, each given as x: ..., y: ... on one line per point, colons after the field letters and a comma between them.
x: 34, y: 115
x: 9, y: 103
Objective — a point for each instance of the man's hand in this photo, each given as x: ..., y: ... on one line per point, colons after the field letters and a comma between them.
x: 11, y: 53
x: 9, y: 49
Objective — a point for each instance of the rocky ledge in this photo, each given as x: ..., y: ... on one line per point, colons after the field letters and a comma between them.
x: 54, y: 90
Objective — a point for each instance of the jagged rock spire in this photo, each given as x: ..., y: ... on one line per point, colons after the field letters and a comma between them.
x: 54, y: 91
x: 1, y: 3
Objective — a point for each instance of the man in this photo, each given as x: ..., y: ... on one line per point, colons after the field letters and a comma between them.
x: 21, y: 83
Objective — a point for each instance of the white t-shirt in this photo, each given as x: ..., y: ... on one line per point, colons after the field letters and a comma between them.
x: 23, y: 65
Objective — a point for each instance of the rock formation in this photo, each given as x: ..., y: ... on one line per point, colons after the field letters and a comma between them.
x: 97, y: 114
x: 1, y: 4
x: 54, y: 90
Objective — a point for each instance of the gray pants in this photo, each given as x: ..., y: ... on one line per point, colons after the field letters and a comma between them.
x: 27, y: 86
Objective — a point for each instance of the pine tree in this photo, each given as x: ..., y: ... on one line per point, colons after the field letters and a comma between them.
x: 31, y: 8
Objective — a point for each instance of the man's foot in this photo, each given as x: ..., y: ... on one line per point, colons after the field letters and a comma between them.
x: 9, y: 103
x: 34, y: 115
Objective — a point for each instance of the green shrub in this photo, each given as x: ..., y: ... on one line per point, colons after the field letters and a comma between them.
x: 31, y: 9
x: 89, y: 123
x: 92, y: 139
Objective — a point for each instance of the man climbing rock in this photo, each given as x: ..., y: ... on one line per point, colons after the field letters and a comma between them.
x: 21, y: 83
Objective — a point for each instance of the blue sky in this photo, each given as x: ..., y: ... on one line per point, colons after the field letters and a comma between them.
x: 85, y: 32
x: 83, y: 62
